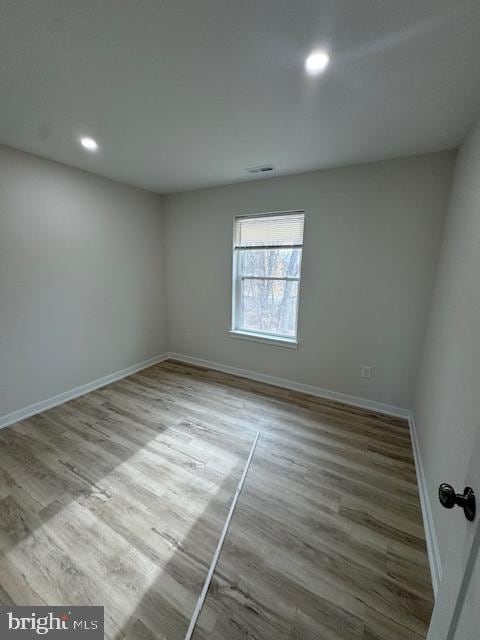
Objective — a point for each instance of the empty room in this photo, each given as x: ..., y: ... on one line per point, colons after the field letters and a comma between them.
x: 240, y: 319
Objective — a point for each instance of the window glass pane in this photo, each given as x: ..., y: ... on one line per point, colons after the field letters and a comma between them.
x: 280, y: 263
x: 269, y: 306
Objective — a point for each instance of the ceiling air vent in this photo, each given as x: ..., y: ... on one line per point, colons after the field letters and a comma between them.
x: 265, y: 168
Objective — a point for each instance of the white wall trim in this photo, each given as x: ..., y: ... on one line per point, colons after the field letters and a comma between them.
x: 43, y: 405
x: 430, y: 534
x: 429, y: 526
x: 371, y: 405
x: 289, y: 343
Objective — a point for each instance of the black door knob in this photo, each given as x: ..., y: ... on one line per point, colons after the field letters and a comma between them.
x: 449, y: 499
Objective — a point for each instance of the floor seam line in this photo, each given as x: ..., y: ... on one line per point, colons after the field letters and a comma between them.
x: 218, y: 550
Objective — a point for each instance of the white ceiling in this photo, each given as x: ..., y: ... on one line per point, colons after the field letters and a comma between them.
x: 188, y: 93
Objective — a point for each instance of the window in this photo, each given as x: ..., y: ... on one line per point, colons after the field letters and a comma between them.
x: 266, y: 276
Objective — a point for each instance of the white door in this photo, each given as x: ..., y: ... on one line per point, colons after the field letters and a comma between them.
x: 456, y: 615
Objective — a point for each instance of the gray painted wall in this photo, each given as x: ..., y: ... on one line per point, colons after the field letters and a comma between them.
x: 372, y: 237
x: 81, y: 278
x: 447, y: 405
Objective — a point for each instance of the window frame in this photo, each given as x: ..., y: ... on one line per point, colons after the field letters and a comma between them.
x: 237, y: 278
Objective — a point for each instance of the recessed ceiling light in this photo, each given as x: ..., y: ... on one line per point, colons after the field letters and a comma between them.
x: 317, y: 62
x: 89, y: 143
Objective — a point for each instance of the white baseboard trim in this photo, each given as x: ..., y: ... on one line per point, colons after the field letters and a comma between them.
x: 429, y: 526
x: 370, y: 405
x: 430, y: 534
x: 43, y: 405
x: 431, y: 537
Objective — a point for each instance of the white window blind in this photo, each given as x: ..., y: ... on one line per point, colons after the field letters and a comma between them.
x: 266, y: 274
x: 269, y: 230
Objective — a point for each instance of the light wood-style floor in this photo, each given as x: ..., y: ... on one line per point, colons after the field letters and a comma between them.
x: 118, y: 498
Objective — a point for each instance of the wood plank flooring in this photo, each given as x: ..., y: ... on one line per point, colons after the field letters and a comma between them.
x: 118, y: 498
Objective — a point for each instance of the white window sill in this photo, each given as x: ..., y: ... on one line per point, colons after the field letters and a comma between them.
x: 290, y: 343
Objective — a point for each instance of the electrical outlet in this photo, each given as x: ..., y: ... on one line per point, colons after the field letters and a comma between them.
x: 188, y: 336
x: 366, y: 372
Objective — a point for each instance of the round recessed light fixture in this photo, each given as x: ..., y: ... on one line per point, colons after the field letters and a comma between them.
x: 317, y: 62
x: 89, y: 143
